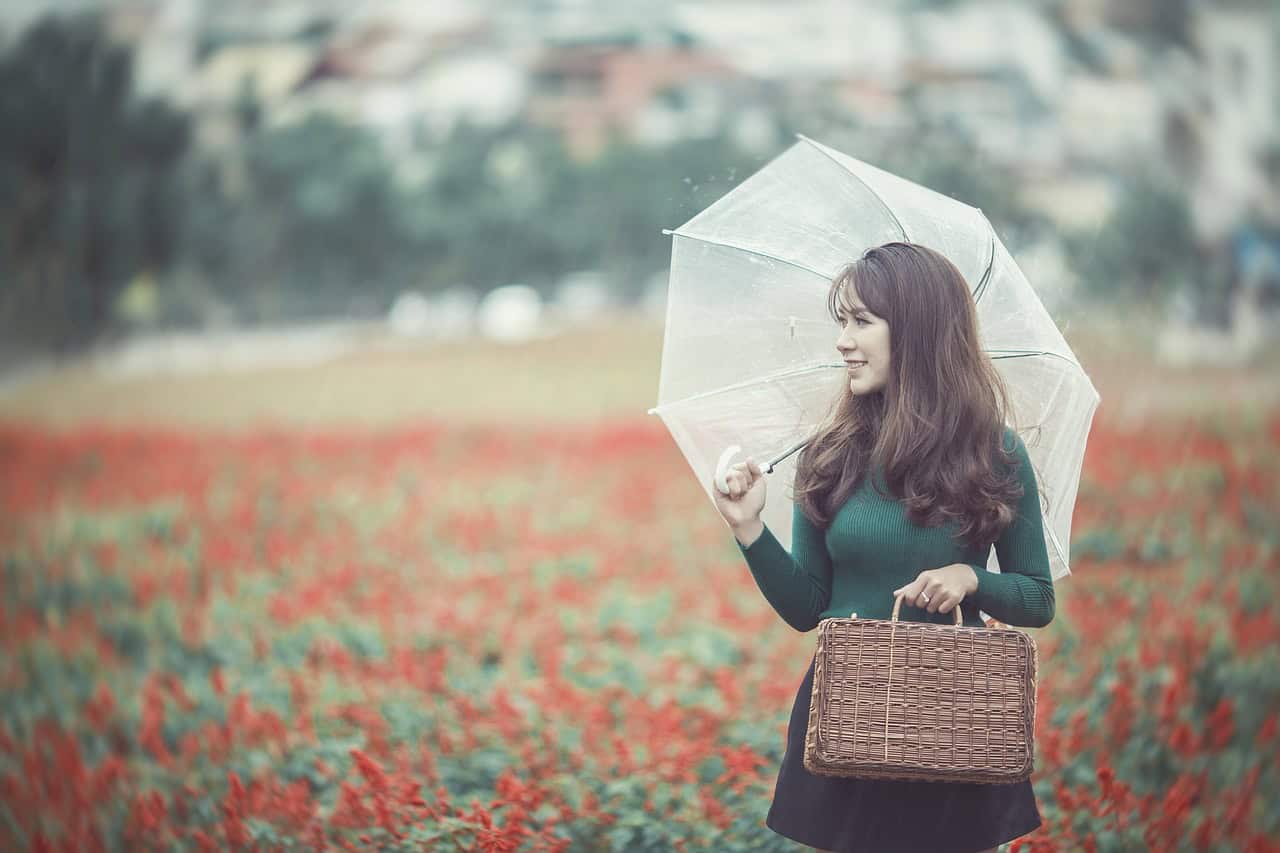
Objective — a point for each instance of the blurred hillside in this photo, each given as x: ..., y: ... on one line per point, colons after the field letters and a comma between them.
x: 200, y: 165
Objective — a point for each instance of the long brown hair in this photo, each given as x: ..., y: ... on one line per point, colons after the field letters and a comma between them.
x: 936, y: 428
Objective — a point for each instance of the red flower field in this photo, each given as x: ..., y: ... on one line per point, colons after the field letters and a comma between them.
x: 544, y: 639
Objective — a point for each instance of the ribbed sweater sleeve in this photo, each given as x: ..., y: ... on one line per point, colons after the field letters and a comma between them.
x: 1021, y: 593
x: 796, y: 584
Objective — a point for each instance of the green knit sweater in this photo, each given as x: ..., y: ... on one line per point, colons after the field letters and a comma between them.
x: 871, y: 548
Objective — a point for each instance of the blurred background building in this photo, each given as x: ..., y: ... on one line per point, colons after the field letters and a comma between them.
x: 198, y: 165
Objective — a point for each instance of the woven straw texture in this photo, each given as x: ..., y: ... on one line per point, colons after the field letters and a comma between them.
x: 922, y: 701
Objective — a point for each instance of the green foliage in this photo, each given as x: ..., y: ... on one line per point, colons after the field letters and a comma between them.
x: 633, y: 191
x: 1144, y: 251
x: 316, y: 218
x: 88, y: 186
x: 958, y: 170
x: 1101, y: 543
x: 547, y: 214
x: 323, y: 214
x: 97, y: 189
x: 482, y: 223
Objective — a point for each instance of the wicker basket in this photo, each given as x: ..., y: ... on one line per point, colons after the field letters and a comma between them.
x: 922, y: 701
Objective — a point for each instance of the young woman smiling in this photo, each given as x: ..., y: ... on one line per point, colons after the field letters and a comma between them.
x: 902, y: 490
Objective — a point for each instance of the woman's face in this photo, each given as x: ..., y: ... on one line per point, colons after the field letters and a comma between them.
x: 864, y: 337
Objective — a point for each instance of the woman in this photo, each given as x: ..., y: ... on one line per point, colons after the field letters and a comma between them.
x: 902, y: 490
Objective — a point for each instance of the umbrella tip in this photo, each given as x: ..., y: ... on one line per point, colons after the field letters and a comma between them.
x: 667, y: 231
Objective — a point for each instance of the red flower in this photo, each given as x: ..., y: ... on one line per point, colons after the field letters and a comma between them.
x: 1267, y: 731
x: 1205, y: 835
x: 100, y: 707
x: 217, y: 680
x: 741, y: 767
x: 1183, y: 740
x: 233, y: 812
x: 1220, y: 726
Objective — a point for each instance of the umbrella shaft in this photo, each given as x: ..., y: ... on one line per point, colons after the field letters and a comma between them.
x: 793, y: 449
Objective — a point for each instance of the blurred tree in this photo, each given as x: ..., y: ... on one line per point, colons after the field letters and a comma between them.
x: 1270, y: 159
x: 1155, y: 21
x: 613, y: 209
x: 552, y: 214
x: 509, y: 205
x: 248, y: 106
x: 88, y: 182
x: 481, y: 216
x: 957, y: 169
x: 1145, y: 250
x: 312, y: 228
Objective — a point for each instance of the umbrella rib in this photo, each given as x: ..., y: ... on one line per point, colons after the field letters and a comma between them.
x: 750, y: 383
x: 991, y: 258
x: 773, y: 377
x: 1023, y: 353
x: 991, y: 265
x: 1057, y: 546
x: 729, y: 245
x: 1053, y: 540
x: 822, y: 150
x: 1009, y: 353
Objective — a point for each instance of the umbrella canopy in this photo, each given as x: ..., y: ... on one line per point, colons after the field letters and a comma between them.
x: 749, y: 354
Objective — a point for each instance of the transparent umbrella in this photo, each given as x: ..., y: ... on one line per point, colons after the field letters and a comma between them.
x: 749, y: 365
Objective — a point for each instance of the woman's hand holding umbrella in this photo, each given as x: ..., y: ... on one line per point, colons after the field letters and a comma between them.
x: 744, y: 499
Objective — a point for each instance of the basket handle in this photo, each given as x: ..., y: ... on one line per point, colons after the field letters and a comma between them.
x: 897, y: 603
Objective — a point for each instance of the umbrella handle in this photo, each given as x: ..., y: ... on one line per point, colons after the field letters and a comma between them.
x: 723, y: 465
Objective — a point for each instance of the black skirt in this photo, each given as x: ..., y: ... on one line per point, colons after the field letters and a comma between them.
x: 888, y: 815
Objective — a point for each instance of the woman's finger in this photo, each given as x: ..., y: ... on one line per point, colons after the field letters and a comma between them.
x: 914, y: 589
x: 929, y: 595
x: 920, y: 592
